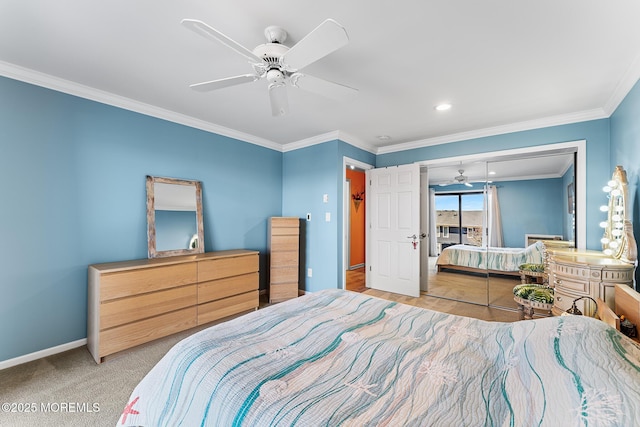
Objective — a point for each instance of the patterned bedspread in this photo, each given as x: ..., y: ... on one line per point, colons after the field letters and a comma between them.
x: 341, y: 358
x: 500, y: 259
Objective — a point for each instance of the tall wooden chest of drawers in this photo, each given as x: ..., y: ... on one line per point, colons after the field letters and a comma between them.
x: 133, y: 302
x: 284, y: 258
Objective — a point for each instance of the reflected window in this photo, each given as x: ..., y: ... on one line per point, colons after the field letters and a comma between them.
x: 460, y: 214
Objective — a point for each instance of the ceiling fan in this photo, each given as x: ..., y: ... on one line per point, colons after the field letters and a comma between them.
x: 460, y: 179
x: 279, y: 64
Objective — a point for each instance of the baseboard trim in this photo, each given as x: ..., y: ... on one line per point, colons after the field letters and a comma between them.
x: 42, y: 353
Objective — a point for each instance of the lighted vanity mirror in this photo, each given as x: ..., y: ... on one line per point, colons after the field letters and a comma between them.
x: 618, y: 241
x: 174, y: 217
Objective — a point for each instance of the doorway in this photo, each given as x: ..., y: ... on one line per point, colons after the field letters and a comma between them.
x: 354, y: 219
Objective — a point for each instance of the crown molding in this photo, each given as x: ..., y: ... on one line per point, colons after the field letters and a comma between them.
x: 71, y: 88
x: 624, y: 86
x: 326, y: 137
x: 563, y: 119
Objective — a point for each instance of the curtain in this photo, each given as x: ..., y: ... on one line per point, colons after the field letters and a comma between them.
x: 433, y: 235
x: 492, y: 219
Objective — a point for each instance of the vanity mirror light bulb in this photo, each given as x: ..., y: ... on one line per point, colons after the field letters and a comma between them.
x: 616, y: 218
x: 604, y: 208
x: 604, y: 240
x: 616, y: 233
x: 619, y: 225
x: 614, y: 244
x: 616, y: 192
x: 603, y: 224
x: 606, y: 189
x: 619, y: 208
x: 612, y: 183
x: 608, y: 252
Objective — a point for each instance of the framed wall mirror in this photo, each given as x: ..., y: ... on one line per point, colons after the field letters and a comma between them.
x: 174, y: 217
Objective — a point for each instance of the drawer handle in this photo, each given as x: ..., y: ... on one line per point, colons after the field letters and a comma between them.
x: 559, y: 298
x: 558, y: 282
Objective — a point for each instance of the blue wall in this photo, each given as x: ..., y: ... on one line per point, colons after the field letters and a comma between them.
x: 533, y: 206
x: 308, y: 174
x: 625, y: 151
x: 72, y: 185
x: 595, y: 132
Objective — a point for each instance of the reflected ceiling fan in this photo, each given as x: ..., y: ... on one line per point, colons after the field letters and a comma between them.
x: 281, y: 65
x: 460, y: 179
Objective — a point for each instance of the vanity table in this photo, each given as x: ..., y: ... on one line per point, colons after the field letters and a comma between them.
x: 575, y: 274
x: 578, y: 273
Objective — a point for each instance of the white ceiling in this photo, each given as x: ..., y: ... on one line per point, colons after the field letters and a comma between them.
x: 505, y: 65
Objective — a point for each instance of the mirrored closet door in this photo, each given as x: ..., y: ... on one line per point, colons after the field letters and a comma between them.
x: 489, y: 215
x: 456, y: 249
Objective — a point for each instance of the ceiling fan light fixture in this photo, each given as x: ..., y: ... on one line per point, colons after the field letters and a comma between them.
x: 443, y: 107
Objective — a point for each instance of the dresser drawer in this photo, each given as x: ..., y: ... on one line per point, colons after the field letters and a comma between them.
x: 126, y: 283
x: 282, y: 223
x: 132, y: 334
x: 285, y: 243
x: 575, y: 272
x: 567, y: 283
x: 227, y: 267
x: 284, y: 275
x: 223, y: 288
x: 282, y: 292
x: 563, y: 301
x: 227, y: 306
x: 131, y: 309
x: 284, y: 259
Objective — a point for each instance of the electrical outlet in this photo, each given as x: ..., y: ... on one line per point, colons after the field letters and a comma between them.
x: 327, y: 216
x: 309, y: 272
x: 325, y: 198
x: 308, y: 217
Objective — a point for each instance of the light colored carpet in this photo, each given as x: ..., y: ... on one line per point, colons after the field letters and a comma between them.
x: 70, y: 389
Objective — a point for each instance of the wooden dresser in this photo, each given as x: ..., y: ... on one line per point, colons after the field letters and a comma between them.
x: 133, y: 302
x: 576, y: 273
x: 284, y: 258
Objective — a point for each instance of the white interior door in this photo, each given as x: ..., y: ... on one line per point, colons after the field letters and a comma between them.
x: 393, y: 235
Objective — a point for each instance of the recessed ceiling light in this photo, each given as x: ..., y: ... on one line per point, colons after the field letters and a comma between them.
x: 384, y: 137
x: 443, y: 107
x: 492, y: 172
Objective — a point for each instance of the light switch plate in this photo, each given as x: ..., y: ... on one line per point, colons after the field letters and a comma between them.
x: 327, y: 216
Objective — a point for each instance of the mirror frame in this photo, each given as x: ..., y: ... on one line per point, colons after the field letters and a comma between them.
x: 151, y: 217
x: 618, y: 195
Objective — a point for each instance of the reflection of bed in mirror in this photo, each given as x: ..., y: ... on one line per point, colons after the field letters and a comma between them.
x: 480, y: 259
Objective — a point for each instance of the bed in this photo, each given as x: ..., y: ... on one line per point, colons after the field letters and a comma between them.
x: 342, y: 358
x: 479, y: 259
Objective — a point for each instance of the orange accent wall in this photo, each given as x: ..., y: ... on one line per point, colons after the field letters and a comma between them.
x: 356, y: 251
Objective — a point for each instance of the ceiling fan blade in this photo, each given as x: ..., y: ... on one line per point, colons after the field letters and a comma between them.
x: 220, y: 83
x: 324, y: 39
x: 213, y: 34
x: 323, y: 87
x: 279, y: 99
